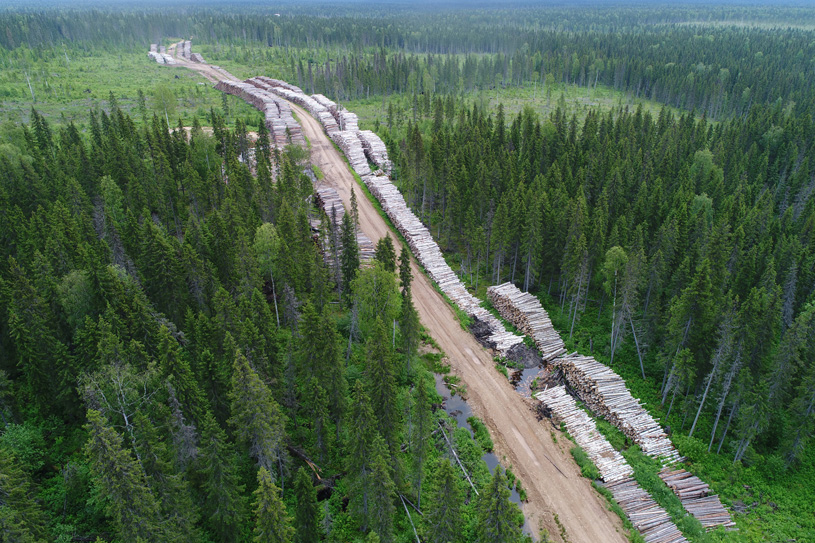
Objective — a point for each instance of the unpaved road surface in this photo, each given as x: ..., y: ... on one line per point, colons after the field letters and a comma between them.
x: 550, y: 476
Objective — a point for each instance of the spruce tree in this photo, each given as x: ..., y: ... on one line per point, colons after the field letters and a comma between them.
x: 21, y: 517
x: 306, y: 514
x: 421, y: 435
x: 386, y: 254
x: 360, y: 437
x: 256, y: 417
x: 121, y: 479
x: 443, y: 509
x: 381, y: 509
x: 405, y: 273
x: 349, y: 260
x: 223, y: 504
x: 383, y: 392
x: 497, y: 521
x: 272, y: 521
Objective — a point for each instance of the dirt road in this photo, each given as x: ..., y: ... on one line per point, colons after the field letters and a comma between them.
x: 549, y: 474
x: 551, y: 478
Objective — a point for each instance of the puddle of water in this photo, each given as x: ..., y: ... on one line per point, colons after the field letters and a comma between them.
x: 457, y: 407
x: 522, y: 380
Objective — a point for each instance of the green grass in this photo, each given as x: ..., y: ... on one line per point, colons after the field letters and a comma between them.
x: 65, y: 90
x: 317, y: 171
x: 576, y: 100
x: 587, y: 467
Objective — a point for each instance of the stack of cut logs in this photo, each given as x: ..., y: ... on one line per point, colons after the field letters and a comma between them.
x: 329, y: 201
x: 223, y: 72
x: 607, y: 396
x: 429, y: 255
x: 158, y: 54
x: 352, y: 148
x: 651, y: 520
x: 527, y: 314
x: 279, y: 118
x: 375, y: 149
x: 183, y: 49
x: 696, y: 499
x: 348, y: 121
x: 581, y: 427
x: 196, y: 57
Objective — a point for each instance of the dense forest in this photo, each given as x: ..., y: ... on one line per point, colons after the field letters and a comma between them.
x: 707, y: 228
x: 178, y: 363
x: 173, y: 366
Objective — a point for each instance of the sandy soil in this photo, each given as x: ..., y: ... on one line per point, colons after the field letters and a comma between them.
x: 550, y: 476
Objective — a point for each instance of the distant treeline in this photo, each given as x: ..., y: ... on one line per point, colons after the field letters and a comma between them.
x: 672, y: 56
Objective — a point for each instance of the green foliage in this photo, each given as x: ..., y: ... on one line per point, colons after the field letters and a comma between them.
x: 587, y: 467
x: 21, y: 517
x: 306, y: 513
x: 481, y: 434
x: 497, y: 522
x: 443, y: 513
x: 272, y: 521
x: 121, y: 479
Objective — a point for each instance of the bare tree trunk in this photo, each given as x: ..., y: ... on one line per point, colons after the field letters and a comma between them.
x: 637, y: 343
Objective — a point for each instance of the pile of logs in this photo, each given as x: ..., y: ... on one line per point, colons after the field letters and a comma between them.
x: 160, y: 56
x: 607, y: 396
x: 329, y: 201
x: 183, y: 49
x: 696, y: 499
x: 581, y: 427
x: 429, y: 255
x: 162, y: 49
x: 196, y: 57
x: 527, y: 314
x: 348, y: 121
x: 223, y: 72
x: 279, y: 119
x: 651, y: 520
x: 375, y: 150
x: 277, y: 83
x: 352, y: 148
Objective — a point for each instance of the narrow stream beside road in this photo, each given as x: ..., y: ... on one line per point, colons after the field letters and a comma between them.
x: 456, y: 406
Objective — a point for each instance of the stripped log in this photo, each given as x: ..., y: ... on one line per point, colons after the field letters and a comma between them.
x: 351, y: 146
x: 375, y: 150
x: 696, y: 499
